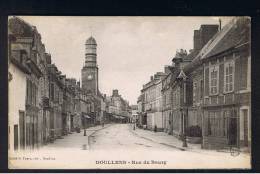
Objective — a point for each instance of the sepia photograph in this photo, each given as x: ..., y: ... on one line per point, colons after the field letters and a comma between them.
x: 121, y: 92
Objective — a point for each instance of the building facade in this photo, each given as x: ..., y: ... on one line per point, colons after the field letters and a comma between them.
x: 89, y: 73
x: 167, y: 100
x: 18, y: 73
x: 227, y: 87
x: 153, y: 101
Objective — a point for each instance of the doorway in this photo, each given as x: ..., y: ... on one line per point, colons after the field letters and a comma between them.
x: 16, y: 137
x: 22, y: 129
x: 245, y: 116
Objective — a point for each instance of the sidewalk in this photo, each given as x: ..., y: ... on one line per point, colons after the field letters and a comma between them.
x: 172, y: 141
x: 74, y: 140
x: 163, y: 138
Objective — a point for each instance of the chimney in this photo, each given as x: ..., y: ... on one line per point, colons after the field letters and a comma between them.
x: 219, y: 24
x: 203, y: 35
x: 48, y: 58
x: 115, y: 92
x: 206, y: 33
x: 196, y: 40
x: 167, y: 69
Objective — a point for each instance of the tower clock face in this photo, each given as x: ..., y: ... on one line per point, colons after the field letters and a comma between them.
x: 90, y: 77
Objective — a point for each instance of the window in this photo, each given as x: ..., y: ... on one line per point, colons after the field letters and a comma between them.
x: 213, y: 82
x: 229, y: 76
x: 52, y: 91
x: 214, y: 124
x: 201, y: 89
x: 218, y: 123
x: 194, y: 92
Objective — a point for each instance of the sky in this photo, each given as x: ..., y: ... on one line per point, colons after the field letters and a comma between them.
x: 129, y: 49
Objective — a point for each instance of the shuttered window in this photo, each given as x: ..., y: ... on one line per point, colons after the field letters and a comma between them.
x: 244, y: 73
x: 194, y: 92
x: 213, y: 82
x: 229, y: 76
x: 206, y: 81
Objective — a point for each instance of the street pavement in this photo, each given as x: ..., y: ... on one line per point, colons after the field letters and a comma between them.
x: 74, y: 140
x: 120, y: 136
x: 119, y: 142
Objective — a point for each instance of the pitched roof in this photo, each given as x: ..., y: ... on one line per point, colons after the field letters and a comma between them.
x: 233, y: 34
x: 236, y: 32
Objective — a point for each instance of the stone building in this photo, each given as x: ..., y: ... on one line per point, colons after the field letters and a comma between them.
x: 56, y: 83
x: 142, y: 117
x: 167, y: 100
x: 89, y: 76
x: 89, y: 73
x: 30, y: 53
x: 180, y: 93
x: 18, y: 73
x: 68, y: 106
x: 153, y: 101
x: 226, y: 90
x: 118, y: 107
x: 186, y: 106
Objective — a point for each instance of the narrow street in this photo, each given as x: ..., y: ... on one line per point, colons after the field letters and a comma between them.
x: 119, y: 136
x: 119, y: 142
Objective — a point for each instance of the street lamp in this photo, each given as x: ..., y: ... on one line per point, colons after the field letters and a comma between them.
x: 182, y: 78
x: 85, y: 133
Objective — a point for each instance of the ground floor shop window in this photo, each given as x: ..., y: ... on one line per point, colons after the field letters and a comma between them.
x: 222, y: 124
x: 217, y: 124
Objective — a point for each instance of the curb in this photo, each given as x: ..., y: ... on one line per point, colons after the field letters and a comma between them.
x: 94, y: 131
x: 169, y: 145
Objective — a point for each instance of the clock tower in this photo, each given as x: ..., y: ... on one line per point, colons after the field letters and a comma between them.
x: 89, y: 73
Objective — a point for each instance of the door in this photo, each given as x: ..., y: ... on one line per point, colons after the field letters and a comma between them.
x: 232, y: 131
x: 16, y: 137
x: 245, y: 114
x: 22, y: 129
x: 71, y: 123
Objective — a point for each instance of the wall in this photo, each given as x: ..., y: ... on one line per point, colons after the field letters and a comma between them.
x: 16, y: 100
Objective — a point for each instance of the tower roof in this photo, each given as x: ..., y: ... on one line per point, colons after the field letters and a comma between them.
x: 91, y: 41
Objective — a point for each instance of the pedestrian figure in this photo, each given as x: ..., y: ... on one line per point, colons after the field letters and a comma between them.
x: 155, y: 128
x: 103, y: 124
x: 134, y: 127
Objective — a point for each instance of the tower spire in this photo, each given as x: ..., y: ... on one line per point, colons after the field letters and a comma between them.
x: 90, y: 30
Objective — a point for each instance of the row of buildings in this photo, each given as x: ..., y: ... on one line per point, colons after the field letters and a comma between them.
x: 208, y: 88
x: 117, y: 107
x: 43, y: 103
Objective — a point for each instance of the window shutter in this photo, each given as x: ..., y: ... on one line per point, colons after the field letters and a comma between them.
x: 206, y: 81
x: 243, y: 75
x: 221, y: 78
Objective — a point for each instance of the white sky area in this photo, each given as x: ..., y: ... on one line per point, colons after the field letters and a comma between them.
x: 129, y: 49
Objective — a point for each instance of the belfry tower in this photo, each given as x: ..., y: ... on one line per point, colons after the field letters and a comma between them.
x: 89, y: 72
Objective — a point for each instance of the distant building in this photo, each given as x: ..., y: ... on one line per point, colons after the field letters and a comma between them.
x: 90, y: 70
x: 167, y: 100
x: 153, y: 101
x: 134, y: 113
x: 118, y: 107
